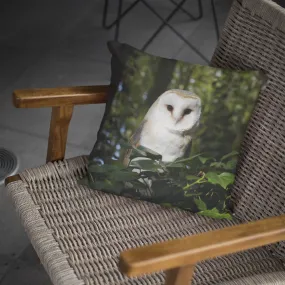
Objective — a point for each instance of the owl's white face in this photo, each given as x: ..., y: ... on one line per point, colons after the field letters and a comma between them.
x: 177, y: 110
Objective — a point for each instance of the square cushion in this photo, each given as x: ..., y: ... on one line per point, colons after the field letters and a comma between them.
x: 172, y: 131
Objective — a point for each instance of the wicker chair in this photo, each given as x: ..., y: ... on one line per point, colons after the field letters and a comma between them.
x: 87, y: 237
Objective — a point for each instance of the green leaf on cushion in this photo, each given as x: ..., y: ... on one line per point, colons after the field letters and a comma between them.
x: 192, y: 194
x: 175, y: 165
x: 123, y: 176
x: 214, y: 213
x: 231, y: 164
x: 205, y: 159
x: 142, y: 151
x: 217, y: 165
x: 224, y: 179
x: 192, y: 177
x: 233, y: 153
x: 183, y: 160
x: 200, y: 204
x: 149, y: 153
x: 213, y: 177
x: 137, y: 153
x: 144, y: 164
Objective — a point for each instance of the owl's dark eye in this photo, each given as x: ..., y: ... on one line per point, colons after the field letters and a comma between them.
x: 187, y: 111
x: 169, y: 108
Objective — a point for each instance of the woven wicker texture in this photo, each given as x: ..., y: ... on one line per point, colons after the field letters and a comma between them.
x: 254, y: 37
x: 79, y: 233
x: 276, y: 278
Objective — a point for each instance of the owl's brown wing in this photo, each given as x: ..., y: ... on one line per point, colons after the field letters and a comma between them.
x: 188, y: 150
x: 134, y: 141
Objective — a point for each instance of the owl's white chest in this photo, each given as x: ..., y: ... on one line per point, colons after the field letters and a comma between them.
x: 159, y: 139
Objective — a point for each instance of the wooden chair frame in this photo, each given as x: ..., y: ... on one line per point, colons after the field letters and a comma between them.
x: 177, y: 257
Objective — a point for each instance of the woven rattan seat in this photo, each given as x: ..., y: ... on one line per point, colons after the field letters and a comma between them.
x: 79, y: 233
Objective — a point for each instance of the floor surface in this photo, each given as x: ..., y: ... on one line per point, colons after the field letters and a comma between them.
x: 62, y: 43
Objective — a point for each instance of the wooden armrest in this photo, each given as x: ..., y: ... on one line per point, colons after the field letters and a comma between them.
x: 62, y: 101
x: 190, y: 250
x: 54, y: 97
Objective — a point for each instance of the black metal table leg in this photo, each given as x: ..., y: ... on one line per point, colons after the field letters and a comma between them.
x: 105, y: 12
x: 118, y: 20
x: 165, y: 23
x: 200, y: 15
x: 215, y: 19
x: 106, y: 6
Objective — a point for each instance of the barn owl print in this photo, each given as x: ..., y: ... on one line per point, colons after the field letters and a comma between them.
x: 177, y: 147
x: 169, y: 125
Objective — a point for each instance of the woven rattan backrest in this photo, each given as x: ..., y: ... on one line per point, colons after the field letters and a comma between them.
x: 254, y: 38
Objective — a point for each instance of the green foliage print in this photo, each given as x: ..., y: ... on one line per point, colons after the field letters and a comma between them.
x: 180, y: 183
x: 200, y: 181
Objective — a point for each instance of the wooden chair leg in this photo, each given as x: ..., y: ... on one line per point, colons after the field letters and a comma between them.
x: 180, y: 276
x: 60, y: 120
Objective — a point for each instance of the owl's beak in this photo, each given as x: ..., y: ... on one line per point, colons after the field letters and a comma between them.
x: 178, y: 120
